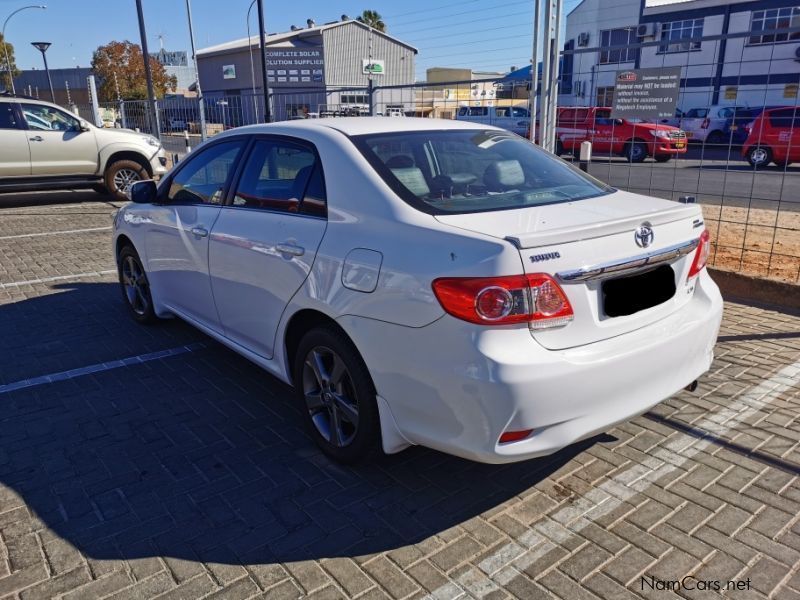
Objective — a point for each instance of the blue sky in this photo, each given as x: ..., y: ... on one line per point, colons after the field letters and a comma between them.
x: 482, y: 34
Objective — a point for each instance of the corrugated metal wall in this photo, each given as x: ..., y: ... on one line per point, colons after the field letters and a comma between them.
x: 348, y: 45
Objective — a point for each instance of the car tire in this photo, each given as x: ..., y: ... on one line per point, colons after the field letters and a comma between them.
x: 334, y: 388
x: 759, y: 156
x: 635, y: 152
x: 135, y: 286
x: 121, y: 174
x: 715, y: 138
x: 559, y: 148
x: 662, y: 158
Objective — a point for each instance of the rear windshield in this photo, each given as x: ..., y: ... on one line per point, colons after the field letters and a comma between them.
x: 463, y: 171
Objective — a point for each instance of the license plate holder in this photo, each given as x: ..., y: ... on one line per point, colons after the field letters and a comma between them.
x: 623, y: 296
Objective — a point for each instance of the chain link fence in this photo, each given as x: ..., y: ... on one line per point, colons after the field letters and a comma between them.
x: 730, y: 146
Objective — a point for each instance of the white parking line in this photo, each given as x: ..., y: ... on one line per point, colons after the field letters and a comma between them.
x: 30, y: 235
x: 57, y: 278
x: 99, y: 367
x: 505, y: 564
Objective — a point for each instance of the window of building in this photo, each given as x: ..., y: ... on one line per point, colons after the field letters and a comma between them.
x: 616, y: 38
x: 765, y: 22
x: 675, y: 36
x: 605, y: 96
x: 354, y: 99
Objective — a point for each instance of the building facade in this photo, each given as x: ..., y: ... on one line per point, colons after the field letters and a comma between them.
x: 70, y: 86
x: 750, y: 60
x: 177, y: 63
x: 312, y: 70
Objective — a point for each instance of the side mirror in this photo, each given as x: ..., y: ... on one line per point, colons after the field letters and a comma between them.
x: 83, y: 126
x: 143, y: 192
x: 619, y: 122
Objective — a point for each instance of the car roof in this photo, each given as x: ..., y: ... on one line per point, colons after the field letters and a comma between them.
x: 26, y: 100
x: 364, y: 125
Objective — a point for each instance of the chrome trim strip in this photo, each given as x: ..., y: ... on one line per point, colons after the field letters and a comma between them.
x: 629, y: 265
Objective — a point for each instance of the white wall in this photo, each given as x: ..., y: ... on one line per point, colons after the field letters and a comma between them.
x: 594, y: 16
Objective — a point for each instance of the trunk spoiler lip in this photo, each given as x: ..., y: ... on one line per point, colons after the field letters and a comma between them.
x: 533, y: 239
x: 629, y: 265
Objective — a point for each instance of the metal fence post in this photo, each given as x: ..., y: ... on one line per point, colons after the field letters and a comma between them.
x: 371, y: 97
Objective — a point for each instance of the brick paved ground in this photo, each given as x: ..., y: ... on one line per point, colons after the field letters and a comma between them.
x: 188, y: 476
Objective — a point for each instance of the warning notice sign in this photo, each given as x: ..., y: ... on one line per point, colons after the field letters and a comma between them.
x: 646, y: 93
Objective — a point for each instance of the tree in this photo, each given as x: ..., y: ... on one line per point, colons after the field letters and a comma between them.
x: 5, y: 81
x: 124, y: 59
x: 373, y: 19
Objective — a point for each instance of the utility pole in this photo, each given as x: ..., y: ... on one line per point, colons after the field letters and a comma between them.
x: 200, y: 101
x: 534, y: 69
x: 151, y: 96
x: 262, y: 45
x: 550, y: 73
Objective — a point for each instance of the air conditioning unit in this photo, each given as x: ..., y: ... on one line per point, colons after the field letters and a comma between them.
x: 644, y: 30
x: 583, y: 39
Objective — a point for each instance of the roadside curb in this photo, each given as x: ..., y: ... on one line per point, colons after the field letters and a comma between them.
x: 780, y: 295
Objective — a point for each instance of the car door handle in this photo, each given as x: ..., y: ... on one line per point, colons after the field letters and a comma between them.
x: 36, y: 138
x: 199, y: 231
x: 290, y: 249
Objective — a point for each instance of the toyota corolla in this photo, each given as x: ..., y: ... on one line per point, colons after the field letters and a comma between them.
x: 426, y: 282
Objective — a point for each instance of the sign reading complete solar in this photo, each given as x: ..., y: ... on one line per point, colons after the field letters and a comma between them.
x: 646, y: 93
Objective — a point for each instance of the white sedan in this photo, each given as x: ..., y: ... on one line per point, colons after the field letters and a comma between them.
x: 426, y: 282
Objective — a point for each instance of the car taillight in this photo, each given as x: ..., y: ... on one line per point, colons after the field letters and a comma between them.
x: 534, y: 299
x: 705, y: 123
x: 701, y: 254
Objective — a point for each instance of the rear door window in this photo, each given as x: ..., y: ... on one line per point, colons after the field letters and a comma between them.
x: 8, y: 117
x: 282, y: 176
x: 782, y: 119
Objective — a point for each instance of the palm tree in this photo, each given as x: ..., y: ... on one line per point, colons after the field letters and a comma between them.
x: 373, y: 19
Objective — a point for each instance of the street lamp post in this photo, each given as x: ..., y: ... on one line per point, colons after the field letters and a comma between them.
x: 252, y: 64
x: 5, y: 42
x: 200, y: 100
x: 42, y: 47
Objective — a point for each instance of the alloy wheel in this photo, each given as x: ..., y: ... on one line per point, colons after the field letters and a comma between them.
x: 330, y: 396
x: 136, y: 287
x: 759, y: 156
x: 124, y: 178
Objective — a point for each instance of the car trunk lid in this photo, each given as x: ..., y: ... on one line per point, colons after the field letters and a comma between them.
x: 613, y: 283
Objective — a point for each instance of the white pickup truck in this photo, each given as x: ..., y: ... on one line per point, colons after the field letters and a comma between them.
x: 512, y: 118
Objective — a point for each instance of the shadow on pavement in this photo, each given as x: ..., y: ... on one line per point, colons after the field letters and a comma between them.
x: 50, y: 198
x: 202, y: 456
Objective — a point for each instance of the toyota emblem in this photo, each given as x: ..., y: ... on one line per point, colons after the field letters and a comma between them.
x: 644, y: 235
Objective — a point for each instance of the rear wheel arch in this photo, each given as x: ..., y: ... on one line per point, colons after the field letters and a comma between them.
x: 301, y: 323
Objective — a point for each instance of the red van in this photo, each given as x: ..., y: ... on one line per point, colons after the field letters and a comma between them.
x: 633, y: 139
x: 774, y: 137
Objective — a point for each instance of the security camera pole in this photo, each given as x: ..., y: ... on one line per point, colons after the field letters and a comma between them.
x: 263, y: 46
x: 151, y: 96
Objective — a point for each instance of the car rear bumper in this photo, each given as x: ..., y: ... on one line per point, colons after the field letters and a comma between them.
x: 457, y: 387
